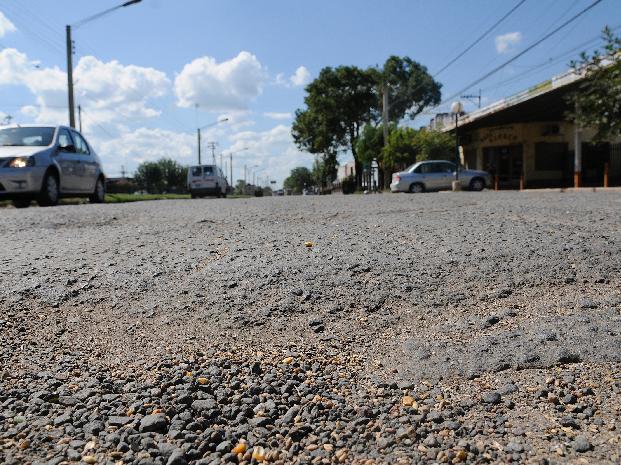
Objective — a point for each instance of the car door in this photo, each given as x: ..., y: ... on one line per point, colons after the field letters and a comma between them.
x: 87, y: 175
x: 446, y: 174
x: 68, y: 161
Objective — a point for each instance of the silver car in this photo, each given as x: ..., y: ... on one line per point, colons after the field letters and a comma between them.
x: 433, y: 175
x: 45, y: 163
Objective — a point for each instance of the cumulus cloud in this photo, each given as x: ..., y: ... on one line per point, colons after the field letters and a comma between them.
x: 506, y: 42
x: 6, y: 25
x: 278, y: 116
x: 130, y: 148
x: 107, y: 91
x: 301, y: 77
x: 273, y: 151
x: 227, y: 86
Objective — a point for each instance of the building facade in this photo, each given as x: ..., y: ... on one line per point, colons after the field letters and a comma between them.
x: 527, y: 141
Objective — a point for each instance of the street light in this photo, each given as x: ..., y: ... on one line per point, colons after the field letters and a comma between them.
x: 70, y: 53
x: 198, y: 134
x: 456, y: 109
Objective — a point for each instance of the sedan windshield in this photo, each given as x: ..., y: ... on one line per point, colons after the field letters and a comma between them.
x: 27, y: 136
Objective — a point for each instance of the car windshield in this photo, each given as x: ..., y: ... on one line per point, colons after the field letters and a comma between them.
x: 410, y: 168
x: 27, y: 136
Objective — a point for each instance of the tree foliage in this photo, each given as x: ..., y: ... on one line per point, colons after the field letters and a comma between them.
x: 597, y: 102
x: 342, y: 100
x: 324, y: 170
x: 299, y: 179
x: 162, y: 176
x: 410, y: 88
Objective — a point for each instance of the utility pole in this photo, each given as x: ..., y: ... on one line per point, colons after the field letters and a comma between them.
x: 80, y: 117
x: 70, y: 76
x: 212, y: 146
x: 245, y: 183
x: 123, y: 171
x: 470, y: 97
x: 222, y: 165
x: 231, y: 166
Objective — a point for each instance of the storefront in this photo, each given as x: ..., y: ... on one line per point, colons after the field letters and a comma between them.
x: 528, y: 141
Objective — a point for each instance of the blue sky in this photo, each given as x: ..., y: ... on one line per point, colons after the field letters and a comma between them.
x: 141, y: 71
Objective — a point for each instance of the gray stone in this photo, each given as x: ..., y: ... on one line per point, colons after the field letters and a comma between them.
x: 154, y: 423
x: 581, y: 444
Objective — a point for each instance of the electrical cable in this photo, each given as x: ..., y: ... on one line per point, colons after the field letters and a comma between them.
x: 523, y: 52
x: 481, y: 37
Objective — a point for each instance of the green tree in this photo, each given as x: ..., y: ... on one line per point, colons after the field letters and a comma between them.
x: 149, y: 177
x: 324, y: 170
x: 401, y: 148
x: 339, y: 103
x: 597, y: 101
x: 299, y: 179
x: 409, y: 86
x: 240, y: 187
x: 434, y: 145
x: 164, y: 175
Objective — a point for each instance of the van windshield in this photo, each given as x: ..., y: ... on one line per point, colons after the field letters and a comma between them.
x: 208, y: 170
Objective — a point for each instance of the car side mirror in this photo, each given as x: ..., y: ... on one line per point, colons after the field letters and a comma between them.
x: 68, y: 148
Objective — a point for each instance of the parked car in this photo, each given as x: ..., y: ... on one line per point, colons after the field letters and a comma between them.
x: 206, y: 180
x: 431, y: 175
x: 45, y: 163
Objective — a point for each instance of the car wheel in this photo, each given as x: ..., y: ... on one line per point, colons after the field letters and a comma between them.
x: 99, y: 194
x: 417, y: 188
x: 21, y: 203
x: 192, y: 195
x: 477, y: 184
x: 50, y: 190
x: 224, y: 195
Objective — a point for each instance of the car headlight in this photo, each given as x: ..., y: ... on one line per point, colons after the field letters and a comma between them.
x: 21, y: 162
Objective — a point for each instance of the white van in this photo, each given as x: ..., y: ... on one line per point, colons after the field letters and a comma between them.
x: 206, y: 180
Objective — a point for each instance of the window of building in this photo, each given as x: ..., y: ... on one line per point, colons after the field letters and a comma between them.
x: 550, y: 156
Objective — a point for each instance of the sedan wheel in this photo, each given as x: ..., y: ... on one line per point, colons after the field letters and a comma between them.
x: 50, y: 192
x: 477, y: 184
x: 99, y: 195
x: 417, y: 188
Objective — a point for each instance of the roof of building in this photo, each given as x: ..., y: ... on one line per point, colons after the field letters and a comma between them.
x: 542, y: 102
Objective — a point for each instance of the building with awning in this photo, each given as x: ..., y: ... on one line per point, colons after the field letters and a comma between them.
x: 527, y: 140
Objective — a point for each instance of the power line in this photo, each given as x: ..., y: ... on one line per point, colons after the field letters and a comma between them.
x: 527, y: 49
x: 550, y: 61
x: 481, y: 37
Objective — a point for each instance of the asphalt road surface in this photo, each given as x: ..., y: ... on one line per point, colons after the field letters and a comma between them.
x: 435, y: 328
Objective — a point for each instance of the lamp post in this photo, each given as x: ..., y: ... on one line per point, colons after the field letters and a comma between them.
x: 71, y: 98
x: 198, y: 134
x: 456, y: 109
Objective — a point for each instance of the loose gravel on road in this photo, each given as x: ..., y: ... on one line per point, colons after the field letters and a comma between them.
x: 436, y: 328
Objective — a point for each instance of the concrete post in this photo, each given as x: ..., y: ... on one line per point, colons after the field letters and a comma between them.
x: 577, y: 154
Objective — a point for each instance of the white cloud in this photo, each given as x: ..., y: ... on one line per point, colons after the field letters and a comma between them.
x: 273, y: 151
x: 277, y: 116
x: 506, y: 42
x: 130, y: 148
x: 108, y: 92
x: 6, y: 25
x: 227, y: 86
x: 301, y: 77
